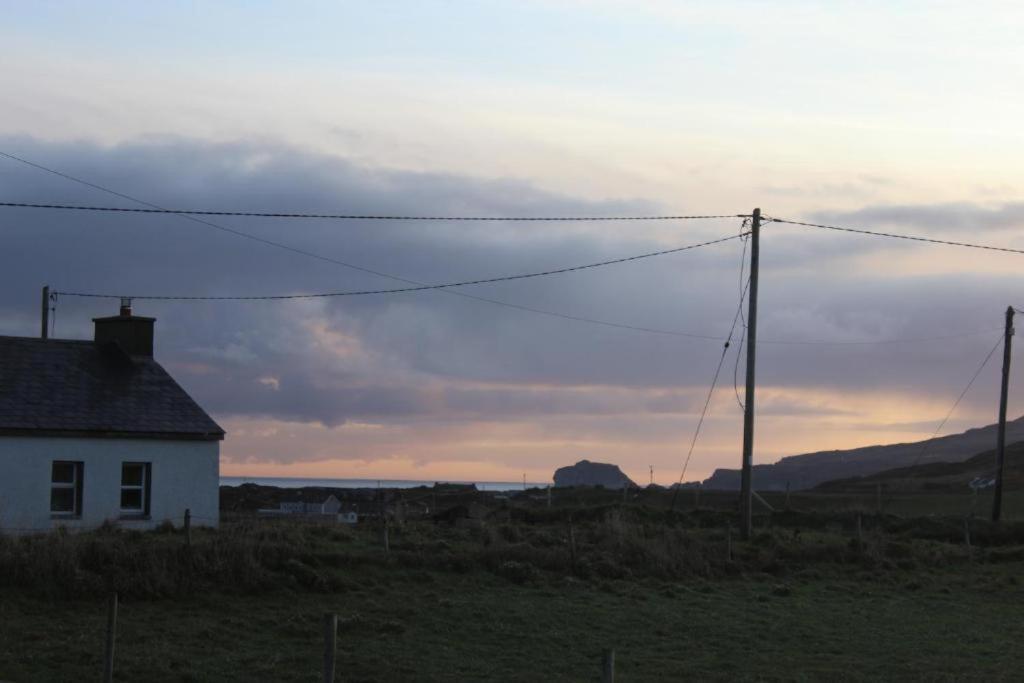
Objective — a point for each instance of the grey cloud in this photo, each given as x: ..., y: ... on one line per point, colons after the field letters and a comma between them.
x: 432, y: 354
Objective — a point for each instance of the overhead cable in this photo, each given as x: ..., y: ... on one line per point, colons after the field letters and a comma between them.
x: 454, y: 292
x: 913, y: 238
x: 743, y: 323
x: 328, y: 259
x: 361, y: 217
x: 928, y: 443
x: 707, y: 400
x: 419, y: 288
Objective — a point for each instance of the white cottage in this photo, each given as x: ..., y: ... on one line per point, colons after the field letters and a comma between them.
x: 97, y: 430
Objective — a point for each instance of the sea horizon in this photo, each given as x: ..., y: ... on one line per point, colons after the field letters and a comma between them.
x: 301, y: 482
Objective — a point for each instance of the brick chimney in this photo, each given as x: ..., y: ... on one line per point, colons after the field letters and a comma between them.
x: 133, y: 333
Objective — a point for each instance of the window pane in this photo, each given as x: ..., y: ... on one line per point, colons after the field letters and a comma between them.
x: 62, y: 500
x: 131, y: 474
x: 131, y: 499
x: 63, y: 473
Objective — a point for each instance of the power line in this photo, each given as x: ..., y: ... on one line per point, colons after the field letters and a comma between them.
x: 359, y: 217
x: 419, y: 288
x: 739, y: 353
x: 700, y: 422
x: 924, y: 449
x: 496, y: 302
x: 707, y: 401
x: 743, y: 328
x: 575, y: 318
x: 874, y: 342
x: 913, y: 238
x: 309, y: 254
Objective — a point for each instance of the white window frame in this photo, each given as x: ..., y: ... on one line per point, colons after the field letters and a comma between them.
x: 142, y: 487
x: 75, y: 486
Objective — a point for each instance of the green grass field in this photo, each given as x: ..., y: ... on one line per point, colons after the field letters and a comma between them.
x: 517, y: 600
x: 444, y: 627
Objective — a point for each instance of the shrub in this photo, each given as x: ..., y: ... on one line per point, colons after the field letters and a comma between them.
x: 518, y: 572
x: 247, y: 555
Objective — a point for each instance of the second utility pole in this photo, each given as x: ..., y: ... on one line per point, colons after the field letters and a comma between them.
x: 997, y: 497
x: 746, y: 485
x: 44, y: 317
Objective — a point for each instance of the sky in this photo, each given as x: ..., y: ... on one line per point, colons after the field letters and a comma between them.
x: 896, y: 116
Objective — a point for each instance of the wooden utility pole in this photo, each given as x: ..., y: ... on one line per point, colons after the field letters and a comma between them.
x: 45, y: 311
x: 746, y: 485
x: 997, y: 498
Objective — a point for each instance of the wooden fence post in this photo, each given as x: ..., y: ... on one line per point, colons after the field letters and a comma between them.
x: 330, y: 645
x: 967, y: 535
x: 108, y: 655
x: 860, y: 533
x: 878, y: 498
x: 387, y: 542
x: 608, y: 666
x: 572, y: 547
x: 728, y: 543
x: 188, y: 527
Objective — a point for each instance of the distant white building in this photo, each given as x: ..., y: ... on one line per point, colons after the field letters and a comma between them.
x: 97, y: 431
x: 348, y: 518
x: 331, y: 507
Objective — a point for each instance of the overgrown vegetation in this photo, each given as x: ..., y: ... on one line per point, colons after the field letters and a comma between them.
x: 241, y: 557
x: 525, y: 546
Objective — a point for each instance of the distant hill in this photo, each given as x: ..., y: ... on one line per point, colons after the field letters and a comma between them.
x: 938, y: 476
x: 809, y: 470
x: 586, y: 473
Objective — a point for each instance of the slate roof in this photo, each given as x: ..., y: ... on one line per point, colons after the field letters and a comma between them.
x: 70, y: 387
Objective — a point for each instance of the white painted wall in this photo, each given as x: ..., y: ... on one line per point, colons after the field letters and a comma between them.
x: 185, y: 474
